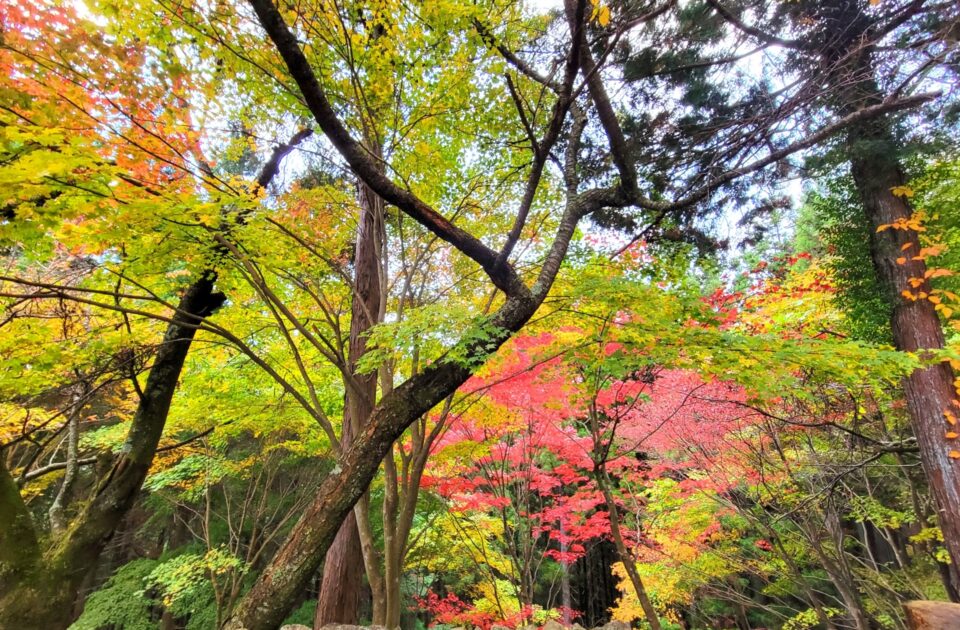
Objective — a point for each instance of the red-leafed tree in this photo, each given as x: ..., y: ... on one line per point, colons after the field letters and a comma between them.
x: 564, y: 445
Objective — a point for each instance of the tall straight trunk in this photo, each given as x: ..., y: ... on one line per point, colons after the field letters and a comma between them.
x: 392, y: 563
x: 339, y: 597
x: 874, y: 155
x: 914, y: 323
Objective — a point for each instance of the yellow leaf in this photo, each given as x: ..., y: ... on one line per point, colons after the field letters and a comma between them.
x: 906, y: 246
x: 603, y: 18
x: 901, y: 191
x: 955, y: 454
x: 901, y: 260
x: 951, y: 435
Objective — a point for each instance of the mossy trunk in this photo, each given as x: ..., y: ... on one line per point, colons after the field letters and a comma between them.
x: 38, y: 589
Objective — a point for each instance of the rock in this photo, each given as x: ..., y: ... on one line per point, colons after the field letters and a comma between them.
x: 924, y: 615
x: 497, y: 627
x: 295, y: 626
x: 340, y: 626
x: 577, y: 626
x: 615, y: 625
x: 553, y: 625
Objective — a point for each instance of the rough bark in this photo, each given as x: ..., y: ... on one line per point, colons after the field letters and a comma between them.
x: 278, y: 586
x: 274, y: 593
x: 915, y: 325
x: 844, y: 52
x: 39, y: 585
x: 41, y: 595
x: 339, y: 597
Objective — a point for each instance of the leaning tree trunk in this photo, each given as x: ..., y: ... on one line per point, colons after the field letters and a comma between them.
x: 38, y: 586
x: 39, y: 591
x: 629, y: 564
x: 339, y: 598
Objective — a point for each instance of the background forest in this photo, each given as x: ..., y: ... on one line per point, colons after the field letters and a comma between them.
x: 470, y: 314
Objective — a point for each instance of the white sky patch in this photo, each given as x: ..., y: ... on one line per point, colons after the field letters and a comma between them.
x: 545, y: 6
x: 84, y: 11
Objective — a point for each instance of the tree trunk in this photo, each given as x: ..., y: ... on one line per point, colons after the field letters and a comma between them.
x: 629, y: 564
x: 42, y: 596
x: 392, y: 564
x: 38, y: 588
x: 57, y: 511
x: 275, y: 591
x: 875, y: 166
x: 339, y: 597
x: 915, y: 325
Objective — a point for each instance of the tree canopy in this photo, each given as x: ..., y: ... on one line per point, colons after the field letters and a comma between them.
x: 474, y: 314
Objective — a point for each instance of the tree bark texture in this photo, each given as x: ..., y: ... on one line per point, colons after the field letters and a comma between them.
x: 38, y: 587
x: 915, y: 325
x: 874, y: 155
x: 339, y: 597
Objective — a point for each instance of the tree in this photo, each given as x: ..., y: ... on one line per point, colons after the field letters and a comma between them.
x: 146, y: 162
x: 839, y: 42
